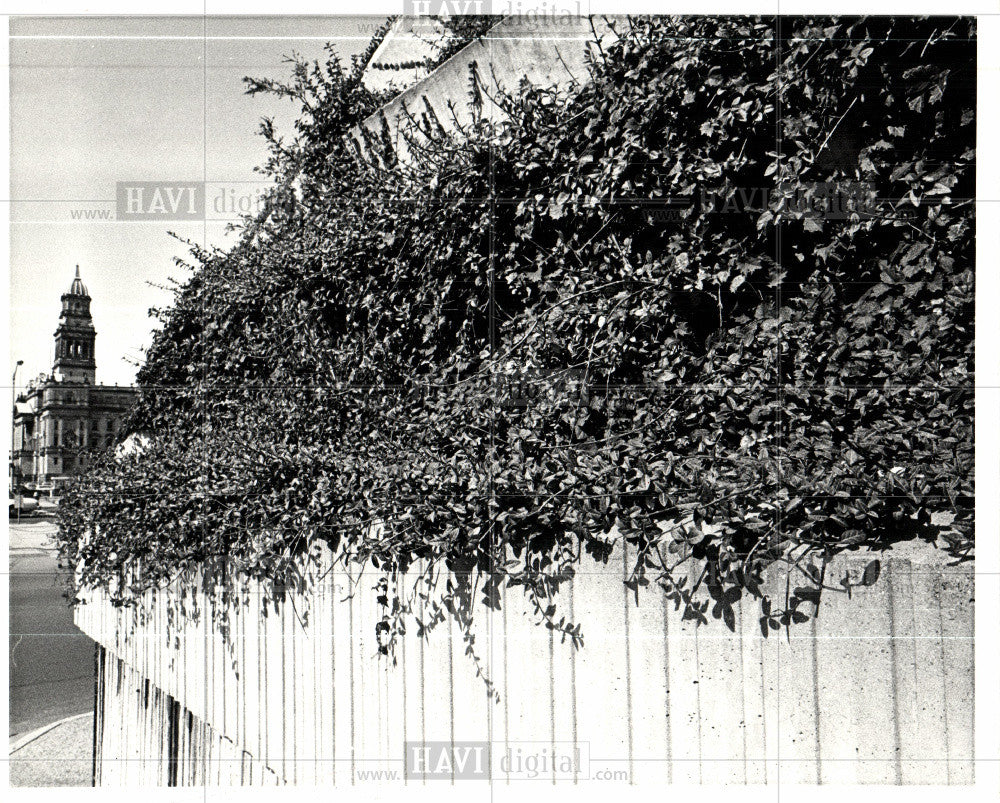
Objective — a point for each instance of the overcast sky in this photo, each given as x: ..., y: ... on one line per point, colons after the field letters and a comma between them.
x: 94, y: 101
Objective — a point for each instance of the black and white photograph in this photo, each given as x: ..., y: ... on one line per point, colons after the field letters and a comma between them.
x: 500, y: 400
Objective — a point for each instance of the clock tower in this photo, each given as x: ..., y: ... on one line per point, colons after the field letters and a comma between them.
x: 75, y: 336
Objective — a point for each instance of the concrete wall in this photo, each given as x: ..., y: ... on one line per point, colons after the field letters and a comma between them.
x: 550, y: 51
x: 877, y: 688
x: 547, y: 52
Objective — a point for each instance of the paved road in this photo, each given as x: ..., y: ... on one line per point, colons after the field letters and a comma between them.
x: 51, y: 662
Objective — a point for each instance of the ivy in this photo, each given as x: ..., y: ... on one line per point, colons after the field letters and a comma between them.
x: 715, y: 304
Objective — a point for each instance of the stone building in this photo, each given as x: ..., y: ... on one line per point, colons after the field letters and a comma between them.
x: 65, y: 415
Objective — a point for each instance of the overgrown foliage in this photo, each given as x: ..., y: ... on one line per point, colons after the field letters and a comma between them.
x: 460, y: 30
x: 715, y: 305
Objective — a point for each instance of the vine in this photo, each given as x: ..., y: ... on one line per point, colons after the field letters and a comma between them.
x: 622, y: 315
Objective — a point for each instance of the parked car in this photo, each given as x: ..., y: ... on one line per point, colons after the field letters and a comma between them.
x: 22, y: 504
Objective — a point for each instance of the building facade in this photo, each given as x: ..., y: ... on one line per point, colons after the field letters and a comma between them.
x: 64, y: 416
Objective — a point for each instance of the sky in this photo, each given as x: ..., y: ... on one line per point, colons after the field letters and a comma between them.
x: 98, y: 100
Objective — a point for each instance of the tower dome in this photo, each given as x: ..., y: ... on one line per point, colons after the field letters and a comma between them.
x: 78, y: 288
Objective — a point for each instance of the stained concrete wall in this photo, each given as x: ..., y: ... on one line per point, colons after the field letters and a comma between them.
x: 876, y: 688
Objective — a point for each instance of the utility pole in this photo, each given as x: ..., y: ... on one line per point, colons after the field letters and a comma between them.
x: 13, y: 414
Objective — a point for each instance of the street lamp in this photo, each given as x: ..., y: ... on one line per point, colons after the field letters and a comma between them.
x: 13, y: 414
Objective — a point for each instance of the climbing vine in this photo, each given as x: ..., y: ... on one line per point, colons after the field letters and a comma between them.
x: 714, y: 306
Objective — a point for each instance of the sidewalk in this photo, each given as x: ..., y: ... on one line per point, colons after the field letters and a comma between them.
x: 62, y: 756
x: 33, y: 533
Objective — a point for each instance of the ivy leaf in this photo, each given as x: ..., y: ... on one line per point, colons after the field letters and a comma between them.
x: 871, y: 573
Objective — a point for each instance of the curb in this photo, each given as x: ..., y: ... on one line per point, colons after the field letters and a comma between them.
x: 28, y: 738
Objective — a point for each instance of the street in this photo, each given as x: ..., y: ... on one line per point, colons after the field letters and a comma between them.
x: 51, y: 662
